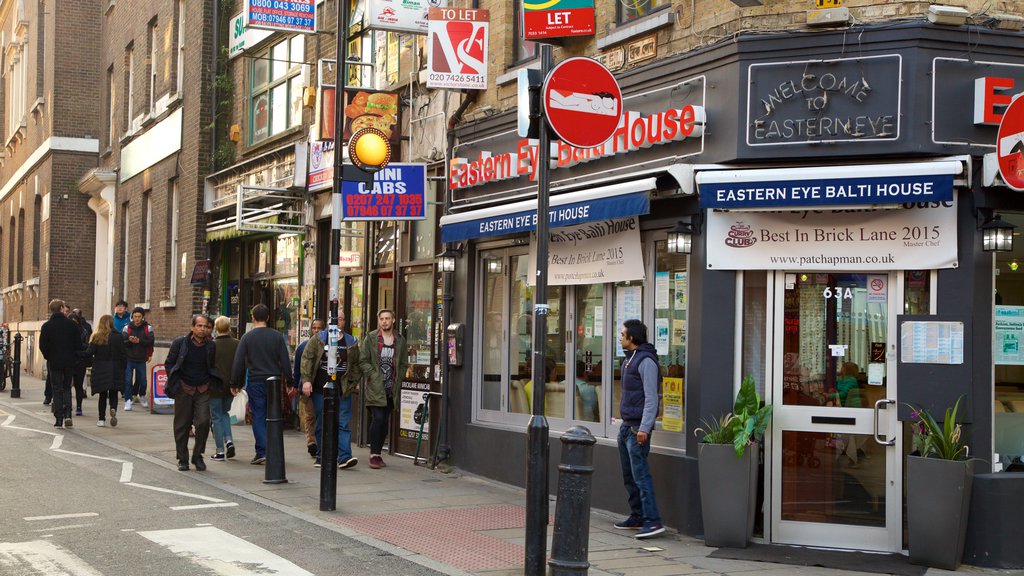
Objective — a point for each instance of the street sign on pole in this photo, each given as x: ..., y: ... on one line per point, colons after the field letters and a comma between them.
x: 582, y: 102
x: 1010, y: 144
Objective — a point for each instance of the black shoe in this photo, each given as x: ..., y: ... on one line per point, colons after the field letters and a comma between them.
x: 59, y: 423
x: 46, y: 402
x: 312, y: 449
x: 198, y: 461
x: 183, y: 466
x: 230, y: 449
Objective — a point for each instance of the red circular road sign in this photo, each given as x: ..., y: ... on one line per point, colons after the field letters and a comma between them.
x: 1010, y: 144
x: 582, y: 102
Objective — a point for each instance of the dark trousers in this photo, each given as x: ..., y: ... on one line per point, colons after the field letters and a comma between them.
x: 60, y: 383
x: 48, y: 389
x: 79, y: 382
x: 379, y: 416
x: 189, y: 411
x: 110, y: 395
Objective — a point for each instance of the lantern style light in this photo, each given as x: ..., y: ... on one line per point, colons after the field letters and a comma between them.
x: 680, y: 239
x: 446, y: 260
x: 997, y: 235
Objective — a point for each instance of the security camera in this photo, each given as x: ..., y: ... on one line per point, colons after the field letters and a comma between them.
x: 307, y: 244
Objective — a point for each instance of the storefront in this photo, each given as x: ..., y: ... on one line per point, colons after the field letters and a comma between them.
x: 835, y: 205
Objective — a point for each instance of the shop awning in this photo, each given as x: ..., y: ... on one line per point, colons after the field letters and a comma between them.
x: 618, y: 200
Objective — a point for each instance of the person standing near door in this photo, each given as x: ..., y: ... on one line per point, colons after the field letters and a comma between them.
x: 60, y: 341
x: 638, y: 407
x: 384, y: 362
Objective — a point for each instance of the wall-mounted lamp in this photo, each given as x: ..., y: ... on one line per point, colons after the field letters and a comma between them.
x: 997, y: 235
x: 446, y: 259
x: 947, y: 15
x: 680, y: 238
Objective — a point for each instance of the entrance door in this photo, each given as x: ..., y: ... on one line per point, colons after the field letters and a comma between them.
x: 836, y: 477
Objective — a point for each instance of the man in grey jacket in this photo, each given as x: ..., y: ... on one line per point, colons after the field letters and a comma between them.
x: 264, y: 352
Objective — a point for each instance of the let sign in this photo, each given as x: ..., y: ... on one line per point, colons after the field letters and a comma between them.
x: 557, y: 18
x: 1010, y: 144
x: 582, y: 102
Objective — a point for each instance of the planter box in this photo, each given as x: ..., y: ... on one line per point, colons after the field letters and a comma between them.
x: 938, y: 498
x: 728, y: 494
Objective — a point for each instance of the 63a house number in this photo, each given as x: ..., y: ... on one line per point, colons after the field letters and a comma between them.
x: 837, y: 293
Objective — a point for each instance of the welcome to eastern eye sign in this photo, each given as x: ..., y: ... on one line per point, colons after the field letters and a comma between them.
x: 828, y: 186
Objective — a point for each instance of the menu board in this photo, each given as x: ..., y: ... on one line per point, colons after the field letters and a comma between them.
x: 1009, y: 327
x: 932, y: 342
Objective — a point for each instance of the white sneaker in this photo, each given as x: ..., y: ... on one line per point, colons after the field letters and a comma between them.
x: 145, y: 401
x: 127, y: 405
x: 101, y: 423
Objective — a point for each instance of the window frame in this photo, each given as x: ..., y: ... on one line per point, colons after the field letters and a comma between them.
x: 518, y: 43
x: 265, y: 89
x: 620, y: 10
x: 154, y: 55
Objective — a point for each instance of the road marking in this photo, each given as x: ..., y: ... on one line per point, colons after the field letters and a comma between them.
x: 68, y: 527
x: 199, y: 506
x: 60, y: 516
x: 169, y: 491
x: 223, y: 553
x: 42, y: 558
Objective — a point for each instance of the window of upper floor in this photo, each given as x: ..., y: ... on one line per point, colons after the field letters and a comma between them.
x: 629, y: 10
x: 275, y: 88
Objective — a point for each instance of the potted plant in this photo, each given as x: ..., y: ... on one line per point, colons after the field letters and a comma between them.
x: 728, y: 460
x: 938, y: 490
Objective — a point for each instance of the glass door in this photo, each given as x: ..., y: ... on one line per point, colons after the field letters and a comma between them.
x: 836, y: 477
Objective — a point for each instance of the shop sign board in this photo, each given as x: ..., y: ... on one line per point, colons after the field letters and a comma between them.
x: 914, y: 236
x: 593, y: 253
x: 558, y: 19
x: 828, y: 186
x: 457, y: 55
x: 400, y: 15
x: 321, y: 165
x: 242, y: 37
x: 582, y: 102
x: 399, y: 193
x: 1010, y: 151
x: 985, y: 86
x: 162, y: 404
x: 281, y: 15
x: 817, y: 101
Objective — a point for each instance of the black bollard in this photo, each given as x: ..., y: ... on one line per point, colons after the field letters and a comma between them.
x: 16, y: 368
x: 329, y: 449
x: 570, y: 541
x: 273, y: 471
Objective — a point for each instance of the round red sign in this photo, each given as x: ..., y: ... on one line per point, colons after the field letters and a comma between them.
x: 582, y: 102
x: 1010, y: 144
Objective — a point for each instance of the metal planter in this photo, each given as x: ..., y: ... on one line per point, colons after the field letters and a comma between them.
x: 728, y: 494
x: 938, y: 499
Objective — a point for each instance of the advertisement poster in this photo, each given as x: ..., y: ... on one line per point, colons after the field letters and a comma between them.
x: 399, y: 193
x: 680, y: 293
x: 909, y: 237
x: 281, y: 15
x: 592, y: 253
x: 363, y: 109
x: 661, y: 299
x: 457, y: 49
x: 321, y: 164
x: 1009, y: 334
x: 411, y: 398
x: 672, y: 402
x: 161, y: 403
x: 628, y: 305
x: 661, y: 336
x: 400, y: 15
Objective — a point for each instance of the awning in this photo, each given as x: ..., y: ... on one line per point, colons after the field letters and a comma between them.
x: 861, y: 185
x: 618, y: 200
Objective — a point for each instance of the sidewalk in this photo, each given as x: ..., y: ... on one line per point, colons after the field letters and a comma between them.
x: 455, y: 523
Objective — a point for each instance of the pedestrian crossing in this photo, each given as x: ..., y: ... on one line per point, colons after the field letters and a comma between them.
x: 205, y: 550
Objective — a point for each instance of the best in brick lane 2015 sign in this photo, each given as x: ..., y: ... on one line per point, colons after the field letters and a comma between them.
x: 582, y: 102
x: 399, y: 193
x: 281, y: 15
x: 557, y: 19
x: 1010, y: 144
x: 457, y: 55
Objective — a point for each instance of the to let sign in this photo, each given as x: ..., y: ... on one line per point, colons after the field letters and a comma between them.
x: 1010, y: 140
x: 582, y: 102
x: 399, y: 193
x: 558, y: 19
x: 457, y: 58
x: 281, y: 15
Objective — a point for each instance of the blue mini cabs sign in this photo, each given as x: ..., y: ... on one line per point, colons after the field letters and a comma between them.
x: 399, y: 193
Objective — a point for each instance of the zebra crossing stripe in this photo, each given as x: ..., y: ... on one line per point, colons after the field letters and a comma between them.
x: 219, y: 552
x: 43, y: 558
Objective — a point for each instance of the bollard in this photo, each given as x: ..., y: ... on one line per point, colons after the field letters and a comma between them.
x: 16, y: 368
x: 329, y: 449
x: 274, y: 468
x: 570, y: 541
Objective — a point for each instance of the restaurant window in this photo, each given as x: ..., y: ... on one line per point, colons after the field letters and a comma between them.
x: 275, y: 89
x: 628, y: 11
x: 1008, y: 355
x: 755, y: 305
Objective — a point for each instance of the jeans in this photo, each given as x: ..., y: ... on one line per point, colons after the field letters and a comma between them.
x: 60, y: 382
x: 135, y: 368
x: 344, y: 417
x: 79, y: 383
x: 257, y: 389
x: 221, y: 421
x: 636, y: 476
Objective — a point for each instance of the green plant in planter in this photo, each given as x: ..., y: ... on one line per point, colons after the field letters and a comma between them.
x: 744, y: 425
x: 944, y: 442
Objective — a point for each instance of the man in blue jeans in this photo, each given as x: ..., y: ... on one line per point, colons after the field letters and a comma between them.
x: 638, y: 408
x: 138, y: 348
x: 314, y: 377
x: 264, y: 352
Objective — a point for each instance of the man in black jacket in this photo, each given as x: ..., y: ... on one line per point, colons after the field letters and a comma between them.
x: 59, y: 341
x: 191, y: 372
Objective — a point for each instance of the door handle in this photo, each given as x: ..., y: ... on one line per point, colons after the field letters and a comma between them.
x: 878, y: 406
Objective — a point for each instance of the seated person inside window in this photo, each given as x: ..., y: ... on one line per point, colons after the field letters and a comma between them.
x: 588, y: 393
x: 550, y: 368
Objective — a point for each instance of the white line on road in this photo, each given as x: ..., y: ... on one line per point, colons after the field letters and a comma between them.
x: 199, y: 506
x: 222, y: 553
x: 43, y: 558
x: 61, y: 516
x: 169, y: 491
x: 68, y: 527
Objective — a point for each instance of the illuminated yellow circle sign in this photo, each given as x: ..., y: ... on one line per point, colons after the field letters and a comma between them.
x: 369, y: 149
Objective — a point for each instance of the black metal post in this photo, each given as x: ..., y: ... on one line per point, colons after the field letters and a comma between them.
x: 329, y: 424
x: 16, y: 368
x: 273, y: 471
x: 537, y: 432
x: 570, y: 541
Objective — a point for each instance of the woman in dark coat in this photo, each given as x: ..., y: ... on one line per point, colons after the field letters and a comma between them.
x: 106, y: 348
x: 85, y: 332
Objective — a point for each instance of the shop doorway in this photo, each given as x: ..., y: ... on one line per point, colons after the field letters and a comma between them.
x: 835, y: 474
